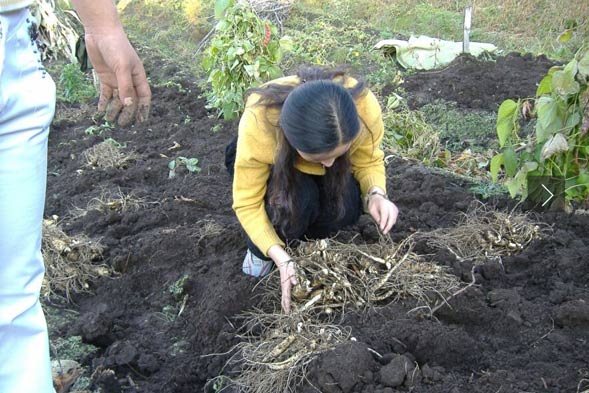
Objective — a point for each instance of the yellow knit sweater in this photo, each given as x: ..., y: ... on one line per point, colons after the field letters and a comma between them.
x: 256, y: 149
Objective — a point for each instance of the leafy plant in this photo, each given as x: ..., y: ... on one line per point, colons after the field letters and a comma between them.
x: 190, y: 163
x: 244, y: 52
x: 74, y: 87
x: 559, y: 148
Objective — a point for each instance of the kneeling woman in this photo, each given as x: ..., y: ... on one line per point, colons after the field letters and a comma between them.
x: 306, y: 162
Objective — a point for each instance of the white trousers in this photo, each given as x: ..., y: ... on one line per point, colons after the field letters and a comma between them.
x: 27, y: 104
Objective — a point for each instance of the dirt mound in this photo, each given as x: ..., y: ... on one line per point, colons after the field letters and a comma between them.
x: 478, y: 84
x: 178, y: 249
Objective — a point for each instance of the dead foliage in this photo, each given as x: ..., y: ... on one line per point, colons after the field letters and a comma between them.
x: 70, y: 261
x: 484, y: 233
x: 58, y: 30
x: 107, y: 154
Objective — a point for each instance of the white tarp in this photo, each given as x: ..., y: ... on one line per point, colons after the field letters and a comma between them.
x: 427, y: 53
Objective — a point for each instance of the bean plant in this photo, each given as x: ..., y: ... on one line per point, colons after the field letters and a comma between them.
x: 243, y: 52
x: 559, y: 147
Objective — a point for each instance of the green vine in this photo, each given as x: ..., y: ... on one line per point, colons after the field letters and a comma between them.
x: 559, y: 148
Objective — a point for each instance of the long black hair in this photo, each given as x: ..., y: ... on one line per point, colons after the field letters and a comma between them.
x: 316, y: 116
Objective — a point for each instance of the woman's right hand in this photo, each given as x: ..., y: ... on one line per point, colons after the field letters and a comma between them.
x: 286, y: 267
x: 287, y: 280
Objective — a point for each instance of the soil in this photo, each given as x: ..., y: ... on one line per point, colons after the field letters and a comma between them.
x: 523, y: 328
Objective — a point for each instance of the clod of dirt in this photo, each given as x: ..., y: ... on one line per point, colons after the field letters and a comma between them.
x: 573, y: 314
x: 394, y: 373
x: 340, y: 370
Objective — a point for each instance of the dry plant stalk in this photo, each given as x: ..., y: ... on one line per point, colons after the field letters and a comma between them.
x: 276, y: 357
x: 69, y: 261
x: 106, y: 155
x: 59, y: 30
x: 275, y: 10
x: 485, y: 233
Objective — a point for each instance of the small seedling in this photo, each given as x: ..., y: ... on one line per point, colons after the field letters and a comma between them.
x: 190, y: 163
x: 98, y: 129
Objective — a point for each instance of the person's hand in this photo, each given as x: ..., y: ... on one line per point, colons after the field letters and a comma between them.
x: 383, y: 211
x: 124, y: 90
x: 287, y: 280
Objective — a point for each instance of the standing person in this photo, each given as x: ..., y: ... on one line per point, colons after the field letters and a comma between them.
x: 308, y: 149
x: 27, y: 104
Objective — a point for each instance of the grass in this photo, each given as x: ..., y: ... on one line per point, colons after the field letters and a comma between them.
x: 461, y: 130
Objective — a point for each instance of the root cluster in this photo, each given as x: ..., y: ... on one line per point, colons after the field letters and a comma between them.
x: 70, y: 262
x: 337, y: 276
x: 107, y: 154
x: 333, y: 278
x: 484, y: 233
x: 276, y: 350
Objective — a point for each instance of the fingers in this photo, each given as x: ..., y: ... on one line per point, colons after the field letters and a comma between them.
x: 391, y: 219
x: 287, y: 280
x: 143, y: 98
x: 286, y: 294
x: 384, y: 213
x: 106, y: 93
x: 114, y: 107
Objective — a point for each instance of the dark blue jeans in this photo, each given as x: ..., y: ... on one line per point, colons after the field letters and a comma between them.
x: 315, y: 220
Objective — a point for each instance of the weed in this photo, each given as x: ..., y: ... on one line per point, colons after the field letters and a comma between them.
x: 98, y: 129
x: 73, y: 86
x: 191, y: 165
x: 177, y: 288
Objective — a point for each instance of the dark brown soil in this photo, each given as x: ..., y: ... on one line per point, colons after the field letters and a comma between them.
x: 523, y: 328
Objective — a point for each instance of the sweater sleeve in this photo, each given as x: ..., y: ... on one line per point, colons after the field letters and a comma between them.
x: 367, y: 158
x: 255, y: 155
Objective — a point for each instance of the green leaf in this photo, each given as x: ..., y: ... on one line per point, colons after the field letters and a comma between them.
x: 583, y: 65
x: 506, y: 119
x: 510, y: 161
x: 565, y: 36
x: 286, y: 43
x: 563, y: 82
x: 572, y: 121
x: 496, y: 163
x: 221, y: 6
x: 545, y: 86
x: 549, y: 121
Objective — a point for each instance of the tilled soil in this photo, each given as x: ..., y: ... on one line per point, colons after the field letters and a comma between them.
x: 524, y: 326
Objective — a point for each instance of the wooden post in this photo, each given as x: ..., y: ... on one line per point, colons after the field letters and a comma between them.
x: 467, y: 24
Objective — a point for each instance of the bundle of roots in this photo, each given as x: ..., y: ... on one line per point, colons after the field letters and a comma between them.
x: 70, y: 262
x: 275, y: 352
x: 338, y: 276
x: 484, y: 233
x: 332, y: 278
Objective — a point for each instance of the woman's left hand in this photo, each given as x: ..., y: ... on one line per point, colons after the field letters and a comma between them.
x: 383, y: 211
